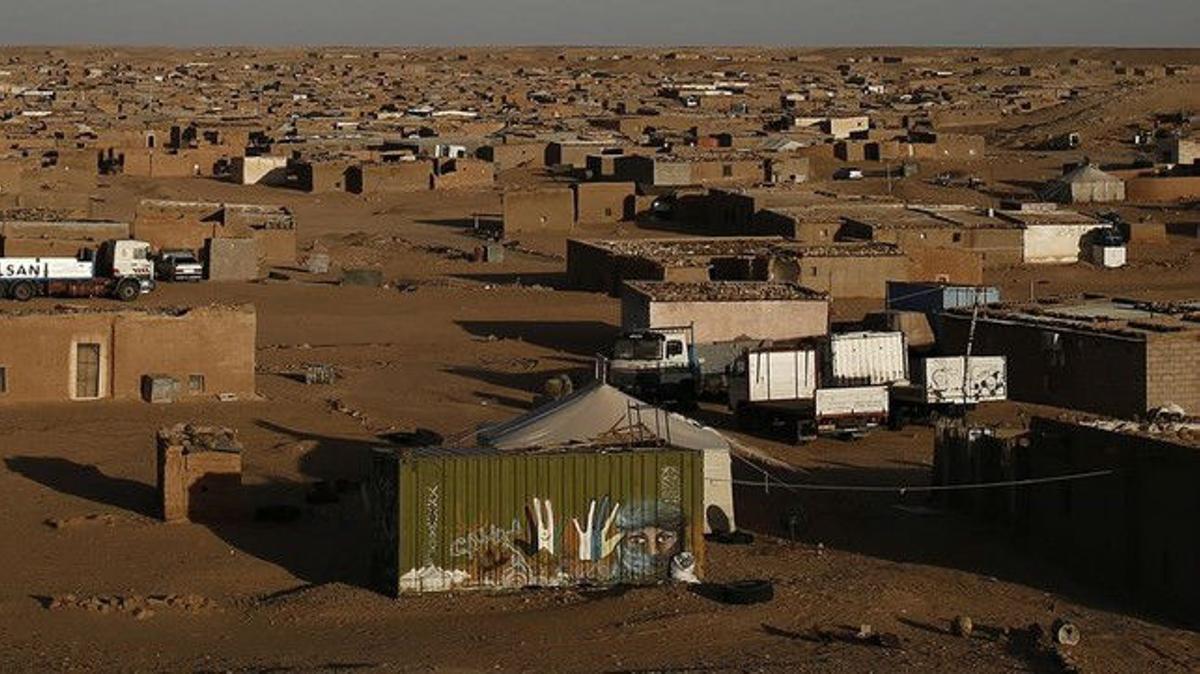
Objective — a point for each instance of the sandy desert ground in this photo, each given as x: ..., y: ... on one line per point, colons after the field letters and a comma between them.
x: 92, y: 581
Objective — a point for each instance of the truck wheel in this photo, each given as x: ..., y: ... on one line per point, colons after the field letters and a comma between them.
x: 3, y: 289
x: 127, y: 290
x: 741, y: 418
x: 23, y: 291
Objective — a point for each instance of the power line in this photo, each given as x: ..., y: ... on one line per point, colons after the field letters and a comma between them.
x: 903, y: 489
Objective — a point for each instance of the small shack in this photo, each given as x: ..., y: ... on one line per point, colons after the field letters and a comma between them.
x: 199, y: 474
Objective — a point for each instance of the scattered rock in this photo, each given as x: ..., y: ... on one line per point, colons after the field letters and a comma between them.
x: 1065, y: 633
x: 962, y: 626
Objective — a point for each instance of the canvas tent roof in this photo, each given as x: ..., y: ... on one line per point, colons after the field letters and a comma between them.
x: 1063, y: 188
x: 1088, y: 173
x: 596, y: 414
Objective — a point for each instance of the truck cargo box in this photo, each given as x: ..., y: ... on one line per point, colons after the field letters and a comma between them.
x: 869, y: 402
x: 768, y: 375
x: 941, y: 380
x: 866, y: 359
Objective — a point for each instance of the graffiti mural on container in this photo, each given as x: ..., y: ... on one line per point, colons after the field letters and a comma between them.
x: 466, y: 519
x: 611, y: 542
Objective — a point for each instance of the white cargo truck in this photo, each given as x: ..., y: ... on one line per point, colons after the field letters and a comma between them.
x: 949, y: 386
x: 120, y: 269
x: 665, y: 364
x: 780, y: 388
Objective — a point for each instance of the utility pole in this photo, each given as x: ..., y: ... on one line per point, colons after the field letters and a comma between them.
x: 970, y: 347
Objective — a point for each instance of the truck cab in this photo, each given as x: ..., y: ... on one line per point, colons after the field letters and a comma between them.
x: 126, y: 258
x: 656, y: 364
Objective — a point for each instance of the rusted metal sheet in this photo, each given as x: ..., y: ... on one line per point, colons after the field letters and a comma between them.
x: 471, y: 519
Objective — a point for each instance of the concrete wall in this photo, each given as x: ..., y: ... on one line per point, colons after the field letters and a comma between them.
x: 216, y: 342
x: 1126, y: 525
x: 1050, y: 244
x: 263, y: 170
x: 724, y: 321
x: 1087, y: 371
x: 232, y: 259
x: 1173, y: 371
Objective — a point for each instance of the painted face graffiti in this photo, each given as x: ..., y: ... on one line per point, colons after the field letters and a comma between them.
x: 652, y: 534
x: 610, y: 542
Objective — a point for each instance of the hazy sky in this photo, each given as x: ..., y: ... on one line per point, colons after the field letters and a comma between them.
x: 458, y: 22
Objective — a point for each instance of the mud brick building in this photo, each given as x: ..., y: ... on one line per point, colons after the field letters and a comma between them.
x: 506, y: 156
x: 320, y: 174
x: 199, y: 474
x: 191, y: 225
x: 63, y: 354
x: 998, y: 241
x: 387, y: 177
x: 260, y: 170
x: 56, y: 238
x: 1114, y: 357
x: 541, y: 210
x: 604, y: 202
x: 726, y: 310
x: 841, y: 270
x: 605, y: 265
x: 462, y: 172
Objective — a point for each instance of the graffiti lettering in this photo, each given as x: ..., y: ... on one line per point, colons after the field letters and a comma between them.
x: 433, y: 519
x: 669, y: 488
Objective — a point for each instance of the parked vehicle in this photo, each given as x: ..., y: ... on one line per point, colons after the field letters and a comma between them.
x: 779, y: 389
x: 664, y: 364
x: 848, y: 174
x: 120, y: 269
x: 949, y: 386
x: 178, y: 265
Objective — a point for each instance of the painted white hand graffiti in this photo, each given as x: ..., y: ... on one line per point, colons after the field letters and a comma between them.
x: 595, y: 541
x: 544, y: 521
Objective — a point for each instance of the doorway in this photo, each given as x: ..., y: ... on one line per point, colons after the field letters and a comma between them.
x: 87, y: 370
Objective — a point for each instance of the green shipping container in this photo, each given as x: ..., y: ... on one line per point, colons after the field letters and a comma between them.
x: 472, y: 519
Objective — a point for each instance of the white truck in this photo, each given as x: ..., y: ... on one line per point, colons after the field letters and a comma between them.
x: 119, y: 269
x: 665, y: 364
x: 780, y: 387
x: 949, y: 386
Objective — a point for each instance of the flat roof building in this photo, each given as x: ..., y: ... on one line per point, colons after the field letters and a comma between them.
x: 1109, y: 356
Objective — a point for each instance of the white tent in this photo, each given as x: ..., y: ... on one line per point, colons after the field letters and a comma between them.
x: 1086, y: 184
x: 600, y: 414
